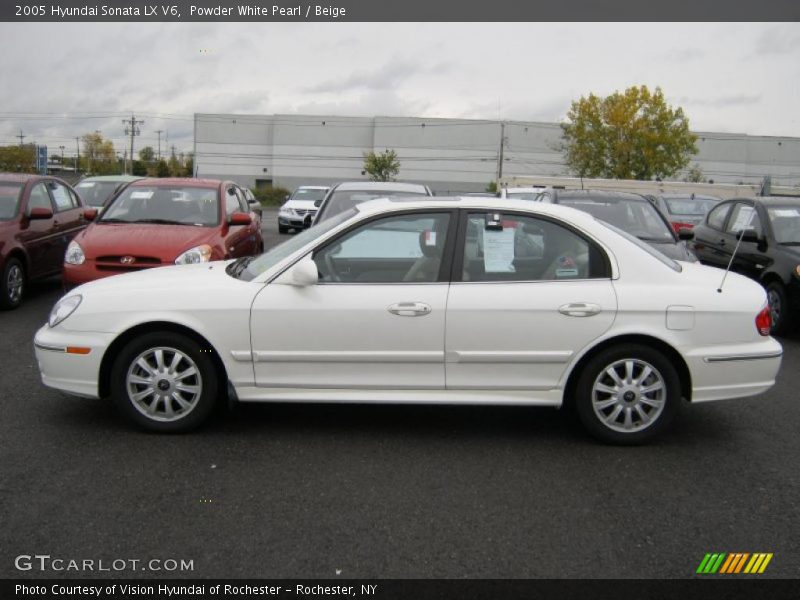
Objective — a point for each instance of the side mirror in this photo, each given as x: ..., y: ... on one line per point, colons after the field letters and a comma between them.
x: 90, y: 214
x: 750, y: 235
x: 240, y: 218
x: 305, y: 273
x: 40, y: 213
x: 685, y: 233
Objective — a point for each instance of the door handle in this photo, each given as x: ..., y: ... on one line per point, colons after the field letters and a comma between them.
x: 722, y: 242
x: 580, y: 309
x: 410, y: 309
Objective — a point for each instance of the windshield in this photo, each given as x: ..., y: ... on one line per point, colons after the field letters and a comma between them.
x: 9, y: 200
x: 646, y: 247
x: 173, y: 205
x: 785, y: 221
x: 308, y: 194
x: 522, y: 195
x: 694, y: 207
x: 273, y: 256
x: 342, y: 200
x: 637, y: 217
x: 95, y: 193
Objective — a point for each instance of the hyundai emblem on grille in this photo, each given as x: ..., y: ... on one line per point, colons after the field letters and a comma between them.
x: 127, y: 260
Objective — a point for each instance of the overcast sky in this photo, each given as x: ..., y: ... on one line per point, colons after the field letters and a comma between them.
x: 742, y: 78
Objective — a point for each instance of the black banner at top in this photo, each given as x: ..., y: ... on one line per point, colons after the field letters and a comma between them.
x: 399, y: 10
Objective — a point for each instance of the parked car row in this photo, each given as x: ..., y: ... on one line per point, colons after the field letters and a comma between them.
x: 117, y: 224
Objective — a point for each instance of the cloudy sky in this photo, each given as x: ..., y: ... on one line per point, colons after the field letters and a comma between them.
x: 63, y: 80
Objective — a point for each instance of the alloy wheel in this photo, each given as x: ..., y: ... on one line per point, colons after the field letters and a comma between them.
x: 164, y: 384
x: 629, y: 395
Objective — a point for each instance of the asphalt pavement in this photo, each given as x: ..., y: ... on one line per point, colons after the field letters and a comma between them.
x: 326, y: 491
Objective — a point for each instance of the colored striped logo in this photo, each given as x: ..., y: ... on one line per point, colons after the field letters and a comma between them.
x: 735, y: 562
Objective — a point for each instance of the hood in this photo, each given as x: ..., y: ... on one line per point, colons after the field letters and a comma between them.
x: 174, y: 277
x: 165, y: 242
x: 301, y: 204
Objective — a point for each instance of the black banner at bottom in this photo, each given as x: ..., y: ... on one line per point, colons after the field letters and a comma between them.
x: 390, y: 589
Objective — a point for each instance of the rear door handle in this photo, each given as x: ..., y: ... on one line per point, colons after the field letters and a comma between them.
x: 410, y: 309
x: 580, y: 309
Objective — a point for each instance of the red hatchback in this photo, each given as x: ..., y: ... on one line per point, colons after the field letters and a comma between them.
x: 38, y: 217
x: 158, y: 222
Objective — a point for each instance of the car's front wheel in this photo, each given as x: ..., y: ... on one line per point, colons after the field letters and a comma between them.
x: 778, y: 308
x: 164, y: 382
x: 627, y: 394
x: 13, y: 284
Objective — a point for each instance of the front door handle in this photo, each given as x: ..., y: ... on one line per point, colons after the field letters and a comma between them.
x: 580, y: 309
x: 410, y: 309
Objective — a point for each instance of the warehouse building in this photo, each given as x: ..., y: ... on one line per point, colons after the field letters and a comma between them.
x: 449, y: 155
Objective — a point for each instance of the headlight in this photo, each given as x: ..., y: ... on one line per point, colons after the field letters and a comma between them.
x: 797, y: 270
x: 63, y: 308
x: 286, y: 211
x: 74, y: 255
x: 198, y: 254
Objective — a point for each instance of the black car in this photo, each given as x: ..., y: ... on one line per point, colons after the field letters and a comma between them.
x: 769, y: 250
x: 630, y: 212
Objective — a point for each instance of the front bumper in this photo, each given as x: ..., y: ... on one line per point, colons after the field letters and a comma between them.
x: 73, y: 373
x: 74, y: 275
x: 733, y: 371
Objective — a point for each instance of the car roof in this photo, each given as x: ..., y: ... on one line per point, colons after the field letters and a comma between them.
x: 381, y: 186
x: 689, y: 197
x: 783, y: 200
x: 489, y: 203
x: 112, y: 178
x: 598, y: 195
x: 178, y: 181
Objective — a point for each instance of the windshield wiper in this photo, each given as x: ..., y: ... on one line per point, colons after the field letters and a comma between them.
x: 114, y: 221
x: 240, y: 264
x: 160, y: 222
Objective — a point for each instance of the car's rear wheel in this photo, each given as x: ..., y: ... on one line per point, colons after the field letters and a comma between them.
x: 627, y: 394
x: 13, y: 284
x: 164, y: 382
x: 778, y: 308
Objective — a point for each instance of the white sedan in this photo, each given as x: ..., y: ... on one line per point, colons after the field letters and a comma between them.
x: 429, y: 300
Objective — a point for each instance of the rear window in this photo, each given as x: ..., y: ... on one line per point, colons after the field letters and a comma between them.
x: 96, y: 193
x: 312, y: 195
x: 173, y: 205
x: 646, y: 247
x: 696, y: 207
x: 9, y: 200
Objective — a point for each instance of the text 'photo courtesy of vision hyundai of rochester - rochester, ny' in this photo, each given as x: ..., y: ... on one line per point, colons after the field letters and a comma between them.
x: 462, y: 300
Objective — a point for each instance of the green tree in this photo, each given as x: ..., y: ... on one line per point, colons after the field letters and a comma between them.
x: 139, y: 168
x: 147, y: 154
x: 491, y: 187
x: 695, y: 174
x: 630, y: 135
x: 383, y: 166
x: 162, y: 169
x: 18, y: 159
x: 97, y: 155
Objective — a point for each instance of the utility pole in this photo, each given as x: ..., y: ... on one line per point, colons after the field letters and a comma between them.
x: 159, y: 132
x: 132, y: 129
x: 20, y: 136
x: 62, y: 157
x: 500, y: 153
x: 77, y: 154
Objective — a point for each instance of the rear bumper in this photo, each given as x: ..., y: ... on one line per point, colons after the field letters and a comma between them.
x: 76, y: 374
x: 734, y: 371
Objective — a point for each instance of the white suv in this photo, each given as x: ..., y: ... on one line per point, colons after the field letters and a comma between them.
x: 299, y: 209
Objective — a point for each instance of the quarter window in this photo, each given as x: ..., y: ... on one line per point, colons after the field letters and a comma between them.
x: 717, y: 216
x: 521, y: 248
x: 400, y: 249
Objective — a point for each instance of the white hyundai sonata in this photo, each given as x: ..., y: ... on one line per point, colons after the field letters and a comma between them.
x: 431, y: 300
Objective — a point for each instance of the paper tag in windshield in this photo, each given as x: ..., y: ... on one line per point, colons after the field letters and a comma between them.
x: 785, y: 212
x: 87, y: 184
x: 145, y: 195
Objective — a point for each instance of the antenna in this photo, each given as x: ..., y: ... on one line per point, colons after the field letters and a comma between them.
x: 736, y: 248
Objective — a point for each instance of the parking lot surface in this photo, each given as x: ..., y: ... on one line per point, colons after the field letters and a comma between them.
x: 282, y: 490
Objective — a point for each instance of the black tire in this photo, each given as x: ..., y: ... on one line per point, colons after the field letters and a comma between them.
x: 629, y: 401
x: 282, y: 229
x: 202, y: 403
x: 12, y: 287
x: 779, y: 308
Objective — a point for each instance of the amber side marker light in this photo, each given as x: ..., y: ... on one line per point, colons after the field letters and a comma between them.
x: 78, y: 350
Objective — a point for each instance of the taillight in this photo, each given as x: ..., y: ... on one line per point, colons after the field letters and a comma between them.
x: 764, y: 321
x: 677, y: 226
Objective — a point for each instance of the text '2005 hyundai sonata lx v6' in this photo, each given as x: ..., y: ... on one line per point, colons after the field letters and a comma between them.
x: 430, y: 300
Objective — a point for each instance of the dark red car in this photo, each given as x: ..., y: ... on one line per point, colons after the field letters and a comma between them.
x: 38, y: 217
x: 158, y: 222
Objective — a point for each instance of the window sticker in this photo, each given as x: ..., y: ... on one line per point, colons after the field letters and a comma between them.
x: 498, y: 251
x: 141, y: 195
x: 566, y: 267
x: 743, y: 219
x: 430, y: 238
x: 61, y: 197
x: 784, y: 212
